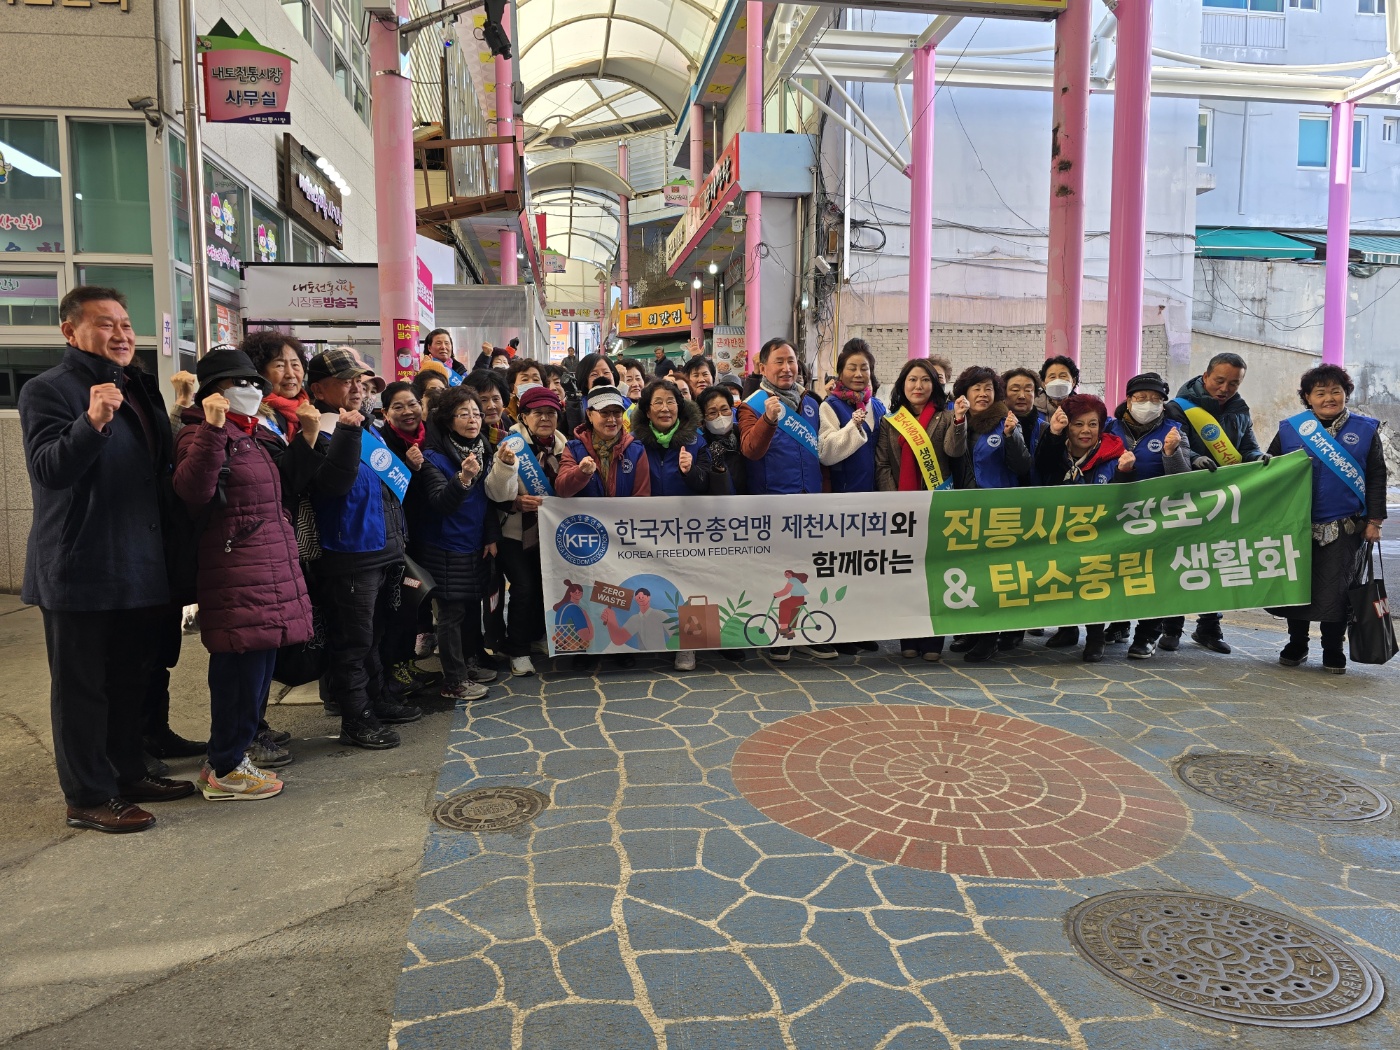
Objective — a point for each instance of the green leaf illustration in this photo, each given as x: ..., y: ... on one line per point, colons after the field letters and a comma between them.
x: 840, y: 592
x: 822, y: 596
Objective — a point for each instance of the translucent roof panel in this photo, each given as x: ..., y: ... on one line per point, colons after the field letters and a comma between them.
x: 586, y: 103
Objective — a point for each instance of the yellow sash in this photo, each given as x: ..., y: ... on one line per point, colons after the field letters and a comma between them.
x: 907, y: 426
x: 1211, y: 433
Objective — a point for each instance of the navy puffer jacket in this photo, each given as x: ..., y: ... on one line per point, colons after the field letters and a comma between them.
x: 450, y: 526
x: 252, y: 596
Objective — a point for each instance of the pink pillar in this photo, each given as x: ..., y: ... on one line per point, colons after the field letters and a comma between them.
x: 1064, y: 288
x: 624, y: 230
x: 395, y: 223
x: 505, y: 112
x: 921, y: 203
x: 1334, y: 310
x: 697, y: 175
x: 1127, y: 229
x: 753, y: 200
x: 697, y: 148
x: 510, y: 265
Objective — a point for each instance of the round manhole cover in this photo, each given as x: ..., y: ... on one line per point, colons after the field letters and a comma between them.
x: 1223, y: 959
x: 1281, y: 789
x: 490, y: 809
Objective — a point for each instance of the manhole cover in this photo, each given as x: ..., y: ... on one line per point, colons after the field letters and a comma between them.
x: 490, y: 809
x: 1281, y: 789
x: 1222, y: 959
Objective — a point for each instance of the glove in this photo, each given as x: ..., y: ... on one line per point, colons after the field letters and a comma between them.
x: 1204, y: 463
x: 1264, y: 458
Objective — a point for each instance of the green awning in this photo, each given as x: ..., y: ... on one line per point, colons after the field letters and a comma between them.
x: 1364, y: 247
x: 1250, y: 244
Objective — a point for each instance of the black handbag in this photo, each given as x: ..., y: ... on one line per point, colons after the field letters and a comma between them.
x: 305, y: 661
x: 1370, y: 632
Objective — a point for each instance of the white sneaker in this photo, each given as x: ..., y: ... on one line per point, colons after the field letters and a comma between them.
x: 685, y: 660
x: 521, y: 666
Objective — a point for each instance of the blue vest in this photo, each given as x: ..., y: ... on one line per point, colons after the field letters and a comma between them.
x: 461, y: 531
x: 1333, y: 499
x: 1037, y: 432
x: 666, y: 476
x: 1101, y: 474
x: 989, y: 467
x: 787, y: 467
x: 626, y: 468
x: 1148, y: 450
x: 354, y: 523
x: 856, y: 473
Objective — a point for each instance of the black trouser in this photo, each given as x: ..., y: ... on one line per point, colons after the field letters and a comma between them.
x: 155, y: 708
x: 356, y: 607
x: 1334, y: 633
x: 525, y: 619
x: 238, y: 686
x: 459, y: 636
x: 99, y: 665
x: 400, y: 628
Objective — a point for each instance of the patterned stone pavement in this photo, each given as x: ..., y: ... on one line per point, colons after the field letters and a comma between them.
x: 653, y: 904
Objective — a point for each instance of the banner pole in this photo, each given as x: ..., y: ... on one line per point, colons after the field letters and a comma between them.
x: 194, y: 178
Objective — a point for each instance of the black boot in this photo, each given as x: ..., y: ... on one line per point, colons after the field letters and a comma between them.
x: 1093, y: 643
x: 1009, y: 640
x: 1334, y: 660
x: 1295, y: 652
x: 1063, y: 638
x: 983, y: 649
x: 963, y: 643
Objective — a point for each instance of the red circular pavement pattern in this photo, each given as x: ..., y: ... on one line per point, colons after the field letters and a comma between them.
x: 966, y: 792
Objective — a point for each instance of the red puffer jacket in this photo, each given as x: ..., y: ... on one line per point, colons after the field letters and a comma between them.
x: 251, y: 592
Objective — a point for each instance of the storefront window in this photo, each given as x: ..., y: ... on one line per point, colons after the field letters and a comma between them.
x: 304, y: 249
x: 224, y: 225
x: 29, y: 299
x: 224, y: 326
x: 111, y: 197
x: 31, y: 189
x: 184, y: 310
x: 136, y: 283
x: 268, y: 234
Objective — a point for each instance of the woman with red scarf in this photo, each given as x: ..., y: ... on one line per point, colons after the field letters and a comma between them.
x: 1075, y: 450
x: 850, y: 420
x: 252, y: 597
x: 281, y: 361
x: 909, y: 455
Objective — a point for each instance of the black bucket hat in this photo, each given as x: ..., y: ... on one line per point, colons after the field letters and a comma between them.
x: 226, y: 363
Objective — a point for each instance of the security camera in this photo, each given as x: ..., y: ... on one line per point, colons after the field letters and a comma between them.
x: 144, y: 102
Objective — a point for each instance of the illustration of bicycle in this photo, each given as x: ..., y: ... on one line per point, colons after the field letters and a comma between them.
x: 815, y: 627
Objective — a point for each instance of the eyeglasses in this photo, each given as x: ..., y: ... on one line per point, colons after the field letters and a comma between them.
x: 244, y: 382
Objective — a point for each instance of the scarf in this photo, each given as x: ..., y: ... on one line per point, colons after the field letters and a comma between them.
x: 414, y: 440
x: 1325, y: 532
x: 603, y: 453
x: 854, y: 398
x: 286, y: 408
x: 987, y: 420
x: 465, y: 447
x: 1109, y: 447
x: 242, y: 422
x: 911, y: 478
x: 663, y: 437
x: 792, y: 398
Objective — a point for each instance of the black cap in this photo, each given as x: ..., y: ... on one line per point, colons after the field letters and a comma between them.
x: 226, y: 362
x: 1149, y: 381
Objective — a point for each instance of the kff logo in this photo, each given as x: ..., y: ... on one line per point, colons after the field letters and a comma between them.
x: 581, y: 539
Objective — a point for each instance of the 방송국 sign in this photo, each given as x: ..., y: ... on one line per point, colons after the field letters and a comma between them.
x: 877, y: 565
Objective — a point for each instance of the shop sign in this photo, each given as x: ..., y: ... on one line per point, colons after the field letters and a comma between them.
x: 713, y: 194
x: 124, y: 5
x: 295, y: 294
x: 677, y: 192
x: 558, y: 341
x: 223, y: 324
x: 728, y: 342
x: 308, y: 196
x: 671, y: 317
x: 427, y: 309
x: 554, y: 262
x: 1037, y: 9
x: 244, y: 81
x: 573, y: 312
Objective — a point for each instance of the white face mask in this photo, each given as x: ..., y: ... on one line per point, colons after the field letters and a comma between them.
x: 520, y: 390
x: 244, y: 400
x: 1145, y: 411
x: 721, y: 426
x: 1058, y: 389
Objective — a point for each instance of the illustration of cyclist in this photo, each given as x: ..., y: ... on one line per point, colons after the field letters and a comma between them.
x: 791, y: 598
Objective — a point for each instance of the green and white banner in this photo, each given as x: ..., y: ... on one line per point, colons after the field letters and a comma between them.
x: 700, y: 572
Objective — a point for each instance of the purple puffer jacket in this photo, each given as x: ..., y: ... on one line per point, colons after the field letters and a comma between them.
x: 251, y: 592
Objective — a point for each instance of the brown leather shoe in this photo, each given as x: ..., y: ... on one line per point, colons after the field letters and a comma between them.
x: 115, y: 816
x: 157, y: 789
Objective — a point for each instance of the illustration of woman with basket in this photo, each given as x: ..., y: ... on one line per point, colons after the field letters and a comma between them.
x: 573, y: 630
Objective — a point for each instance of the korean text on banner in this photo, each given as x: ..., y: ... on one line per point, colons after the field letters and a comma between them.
x: 872, y: 566
x: 407, y: 353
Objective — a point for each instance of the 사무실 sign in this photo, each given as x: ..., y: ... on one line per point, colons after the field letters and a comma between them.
x: 244, y: 82
x: 871, y: 566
